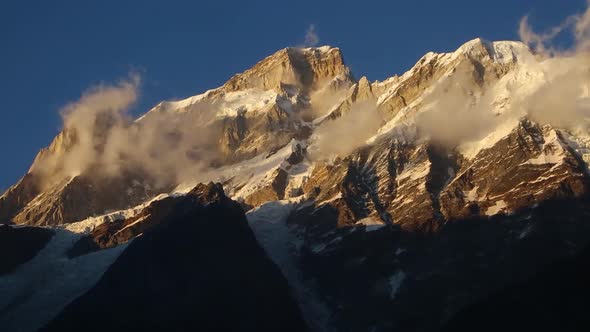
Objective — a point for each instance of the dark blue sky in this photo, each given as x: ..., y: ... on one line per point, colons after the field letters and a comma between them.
x: 51, y: 51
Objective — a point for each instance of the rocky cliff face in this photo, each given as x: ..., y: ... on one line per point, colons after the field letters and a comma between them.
x: 422, y: 186
x: 306, y: 69
x: 400, y: 232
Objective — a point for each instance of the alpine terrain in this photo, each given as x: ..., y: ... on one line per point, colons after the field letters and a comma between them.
x: 299, y: 197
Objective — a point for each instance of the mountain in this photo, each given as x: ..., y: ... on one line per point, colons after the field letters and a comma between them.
x: 393, y: 205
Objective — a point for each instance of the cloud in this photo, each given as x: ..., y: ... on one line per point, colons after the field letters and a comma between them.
x: 582, y: 30
x: 311, y: 37
x: 578, y: 24
x: 348, y: 132
x: 86, y: 126
x: 456, y: 110
x: 539, y: 41
x: 101, y: 138
x: 563, y: 98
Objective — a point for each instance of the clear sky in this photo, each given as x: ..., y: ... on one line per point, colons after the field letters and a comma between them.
x: 52, y: 51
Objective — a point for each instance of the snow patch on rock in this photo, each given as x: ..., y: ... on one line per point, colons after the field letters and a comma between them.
x: 370, y: 223
x: 395, y: 283
x: 498, y: 207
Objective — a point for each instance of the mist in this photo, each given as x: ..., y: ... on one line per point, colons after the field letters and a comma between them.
x: 563, y: 98
x: 457, y: 110
x: 351, y: 130
x: 311, y: 37
x: 102, y: 137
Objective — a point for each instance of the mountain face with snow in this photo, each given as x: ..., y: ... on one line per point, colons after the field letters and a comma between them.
x: 390, y: 205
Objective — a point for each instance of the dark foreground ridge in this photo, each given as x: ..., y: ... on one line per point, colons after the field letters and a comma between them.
x: 200, y: 269
x: 391, y: 279
x: 19, y: 245
x: 556, y: 299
